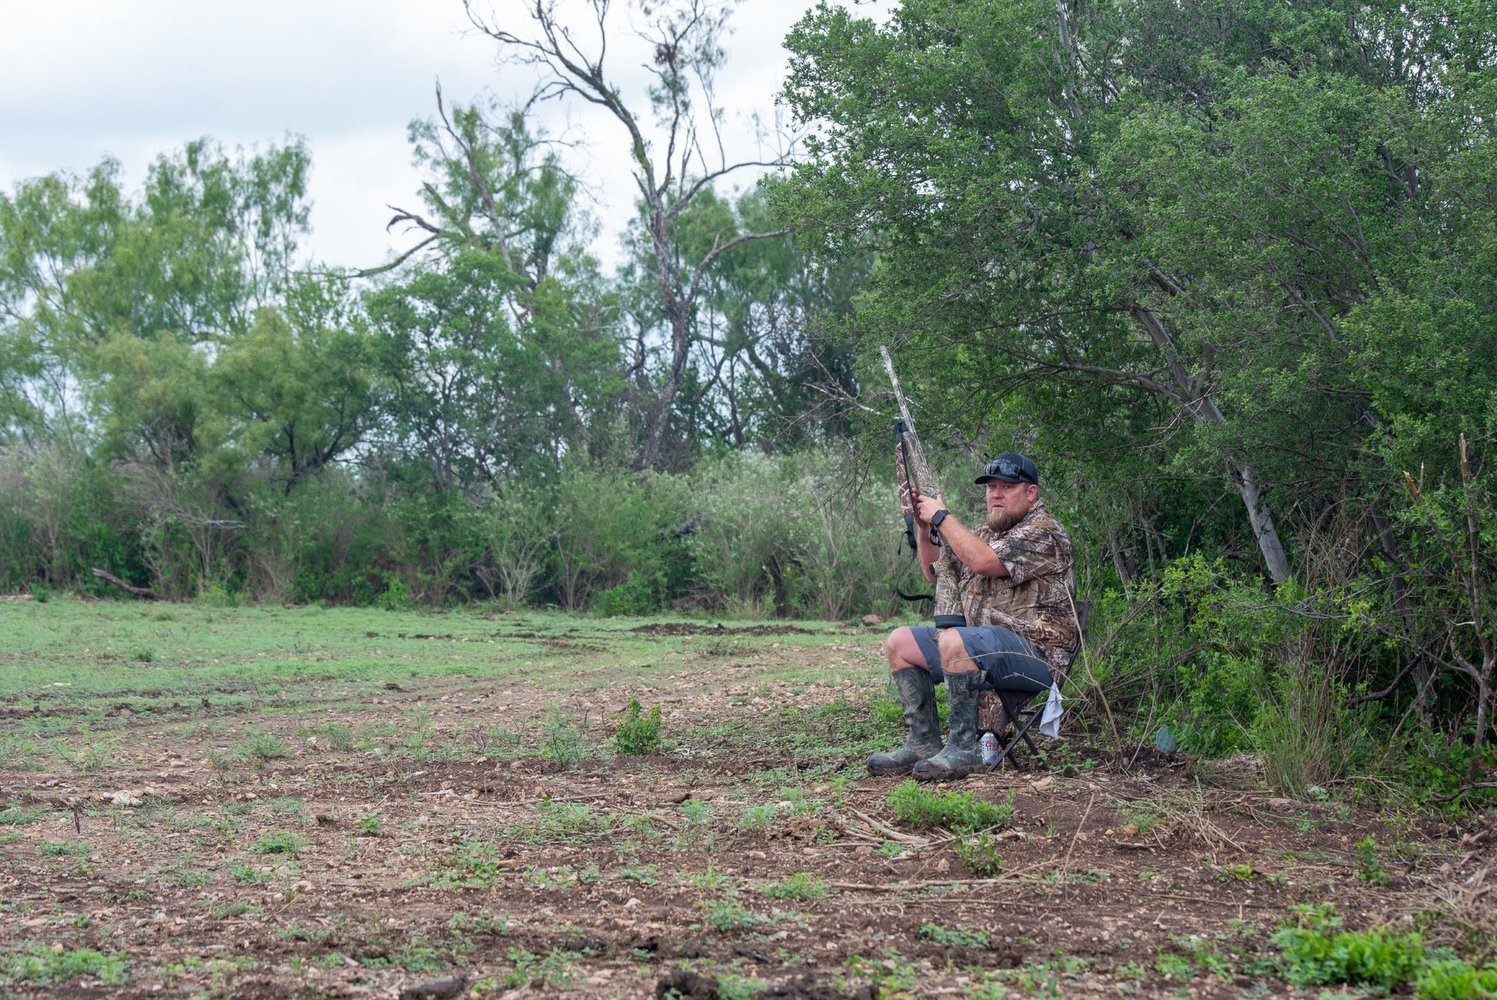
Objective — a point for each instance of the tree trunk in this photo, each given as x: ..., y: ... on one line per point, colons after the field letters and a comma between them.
x: 1203, y: 409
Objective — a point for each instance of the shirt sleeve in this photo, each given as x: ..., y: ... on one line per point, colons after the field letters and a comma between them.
x: 1029, y: 551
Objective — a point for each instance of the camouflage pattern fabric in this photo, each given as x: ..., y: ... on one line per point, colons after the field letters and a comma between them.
x: 911, y: 477
x: 1037, y: 598
x: 948, y: 598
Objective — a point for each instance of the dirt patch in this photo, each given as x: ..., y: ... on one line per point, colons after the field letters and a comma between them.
x: 406, y: 848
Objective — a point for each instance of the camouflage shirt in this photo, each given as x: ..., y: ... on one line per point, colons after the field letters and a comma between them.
x: 1037, y: 598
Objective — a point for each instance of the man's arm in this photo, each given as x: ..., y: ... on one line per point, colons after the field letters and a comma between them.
x: 973, y: 552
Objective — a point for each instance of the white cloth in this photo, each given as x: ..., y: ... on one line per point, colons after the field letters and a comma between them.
x: 1050, y: 718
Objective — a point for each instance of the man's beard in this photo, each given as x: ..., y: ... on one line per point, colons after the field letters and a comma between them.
x: 1002, y: 520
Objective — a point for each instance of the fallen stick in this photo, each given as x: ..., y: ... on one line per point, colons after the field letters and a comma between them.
x: 143, y: 592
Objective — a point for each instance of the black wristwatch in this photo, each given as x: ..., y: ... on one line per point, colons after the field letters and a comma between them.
x: 938, y: 517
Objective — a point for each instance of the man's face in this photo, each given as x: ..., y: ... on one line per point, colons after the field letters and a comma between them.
x: 1008, y: 502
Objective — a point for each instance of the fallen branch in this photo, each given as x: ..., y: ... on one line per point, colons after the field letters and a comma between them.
x: 144, y: 592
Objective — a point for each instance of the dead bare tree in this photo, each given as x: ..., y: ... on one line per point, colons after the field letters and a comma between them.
x: 675, y: 154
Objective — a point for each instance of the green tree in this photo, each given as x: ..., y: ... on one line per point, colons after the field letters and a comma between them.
x: 1213, y: 238
x: 669, y: 135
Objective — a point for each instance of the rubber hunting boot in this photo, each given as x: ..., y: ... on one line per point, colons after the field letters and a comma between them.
x: 960, y: 757
x: 917, y: 693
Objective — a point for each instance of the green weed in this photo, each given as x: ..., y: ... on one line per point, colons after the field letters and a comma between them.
x: 63, y: 849
x: 763, y: 816
x: 1315, y: 953
x: 800, y: 886
x: 472, y: 864
x: 957, y: 811
x: 562, y: 740
x: 957, y: 937
x: 979, y: 853
x: 1369, y: 868
x: 40, y: 965
x: 16, y: 814
x: 643, y: 874
x: 338, y: 735
x: 483, y: 922
x: 726, y: 914
x: 639, y: 735
x: 563, y: 823
x: 279, y: 842
x: 1454, y: 979
x: 554, y: 970
x: 232, y: 908
x: 261, y: 747
x: 248, y: 874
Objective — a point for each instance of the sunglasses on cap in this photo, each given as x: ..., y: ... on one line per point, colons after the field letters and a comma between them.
x: 1011, y: 469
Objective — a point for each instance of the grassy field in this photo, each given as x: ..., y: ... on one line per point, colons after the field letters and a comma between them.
x: 274, y: 802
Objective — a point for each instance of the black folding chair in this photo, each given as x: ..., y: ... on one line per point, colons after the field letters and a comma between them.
x: 1025, y: 708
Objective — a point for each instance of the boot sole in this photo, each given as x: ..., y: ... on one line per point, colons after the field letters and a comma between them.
x: 932, y: 775
x: 892, y: 771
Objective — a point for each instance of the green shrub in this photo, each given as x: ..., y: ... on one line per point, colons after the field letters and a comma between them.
x: 1376, y: 957
x: 800, y: 886
x: 280, y: 842
x: 43, y: 965
x: 1369, y: 868
x: 961, y: 812
x: 562, y: 740
x: 979, y: 853
x: 1453, y: 979
x: 639, y: 735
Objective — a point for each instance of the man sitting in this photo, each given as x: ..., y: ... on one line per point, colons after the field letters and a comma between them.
x: 1013, y: 577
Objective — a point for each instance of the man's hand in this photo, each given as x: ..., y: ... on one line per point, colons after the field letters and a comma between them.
x: 926, y: 508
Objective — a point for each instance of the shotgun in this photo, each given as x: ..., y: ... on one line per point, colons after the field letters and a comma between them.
x: 913, y: 479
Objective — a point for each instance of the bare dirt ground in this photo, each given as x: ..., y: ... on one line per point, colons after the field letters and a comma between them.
x: 444, y: 861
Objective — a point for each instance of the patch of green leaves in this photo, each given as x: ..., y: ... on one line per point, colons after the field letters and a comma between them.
x: 800, y: 886
x: 563, y: 823
x: 1369, y: 868
x: 639, y: 734
x: 960, y: 812
x: 562, y: 740
x: 472, y: 864
x: 261, y: 747
x: 979, y: 853
x: 63, y: 849
x: 955, y: 937
x: 280, y: 842
x: 16, y: 814
x: 726, y: 914
x: 44, y: 965
x: 1315, y: 953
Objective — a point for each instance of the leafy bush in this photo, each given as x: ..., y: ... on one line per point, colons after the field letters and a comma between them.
x: 639, y: 735
x: 1314, y: 952
x: 280, y: 842
x: 563, y: 741
x: 1453, y: 979
x: 961, y: 812
x: 43, y: 965
x: 979, y: 853
x: 800, y: 886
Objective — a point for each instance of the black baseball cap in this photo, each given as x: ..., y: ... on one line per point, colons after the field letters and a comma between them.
x: 1010, y: 468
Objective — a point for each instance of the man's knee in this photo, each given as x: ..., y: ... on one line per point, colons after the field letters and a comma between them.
x: 954, y: 656
x: 902, y: 649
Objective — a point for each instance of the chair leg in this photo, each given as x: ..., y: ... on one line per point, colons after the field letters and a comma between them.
x: 1024, y: 718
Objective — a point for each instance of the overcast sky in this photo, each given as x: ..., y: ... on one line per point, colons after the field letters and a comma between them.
x: 81, y: 80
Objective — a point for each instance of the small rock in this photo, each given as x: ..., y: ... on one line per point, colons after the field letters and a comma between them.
x: 447, y: 986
